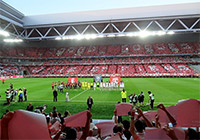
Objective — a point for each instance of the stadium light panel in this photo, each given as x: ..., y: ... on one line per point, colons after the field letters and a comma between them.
x: 79, y: 37
x: 111, y: 35
x: 90, y: 36
x: 12, y: 40
x: 4, y: 33
x: 58, y: 38
x: 161, y: 33
x: 144, y: 33
x: 170, y: 32
x: 132, y: 34
x: 100, y: 36
x: 121, y: 35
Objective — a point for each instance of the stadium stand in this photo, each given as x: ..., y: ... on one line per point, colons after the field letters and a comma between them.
x: 127, y: 60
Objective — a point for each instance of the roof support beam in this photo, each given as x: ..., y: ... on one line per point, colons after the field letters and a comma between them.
x: 95, y: 29
x: 126, y: 27
x: 75, y: 30
x: 105, y: 28
x: 100, y: 29
x: 161, y: 27
x: 198, y: 20
x: 66, y: 30
x: 39, y: 32
x: 116, y: 28
x: 181, y: 22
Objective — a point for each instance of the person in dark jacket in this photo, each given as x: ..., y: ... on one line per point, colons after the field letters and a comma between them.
x: 55, y: 94
x: 89, y: 103
x: 29, y: 107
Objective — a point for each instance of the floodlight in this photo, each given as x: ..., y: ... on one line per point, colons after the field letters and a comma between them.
x: 152, y: 33
x: 58, y: 38
x: 170, y: 32
x: 161, y: 33
x: 130, y: 34
x: 121, y: 35
x: 71, y: 37
x: 144, y: 33
x: 111, y: 35
x: 4, y: 33
x: 12, y: 40
x: 79, y: 37
x: 90, y: 36
x: 100, y: 36
x: 65, y: 37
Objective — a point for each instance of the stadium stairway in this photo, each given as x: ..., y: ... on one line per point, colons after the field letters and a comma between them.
x: 195, y: 67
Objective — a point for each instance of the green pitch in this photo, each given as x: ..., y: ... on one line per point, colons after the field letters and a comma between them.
x: 166, y: 90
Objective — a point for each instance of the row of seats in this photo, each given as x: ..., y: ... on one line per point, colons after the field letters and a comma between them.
x: 85, y: 61
x: 77, y: 51
x: 98, y: 69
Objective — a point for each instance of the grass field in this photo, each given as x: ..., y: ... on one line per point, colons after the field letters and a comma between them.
x: 166, y: 90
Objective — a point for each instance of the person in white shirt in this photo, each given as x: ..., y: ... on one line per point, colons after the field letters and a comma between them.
x: 67, y: 96
x: 95, y: 85
x: 151, y: 98
x: 8, y: 94
x: 101, y: 85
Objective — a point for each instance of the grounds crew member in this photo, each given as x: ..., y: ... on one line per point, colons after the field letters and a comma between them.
x: 123, y: 94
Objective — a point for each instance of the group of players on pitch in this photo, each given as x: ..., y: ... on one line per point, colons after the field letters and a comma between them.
x: 88, y: 85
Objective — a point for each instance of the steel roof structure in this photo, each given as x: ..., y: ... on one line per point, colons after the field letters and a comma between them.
x: 177, y: 18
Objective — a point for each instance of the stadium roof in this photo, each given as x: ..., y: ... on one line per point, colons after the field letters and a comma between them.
x: 173, y: 17
x: 114, y: 14
x: 171, y: 10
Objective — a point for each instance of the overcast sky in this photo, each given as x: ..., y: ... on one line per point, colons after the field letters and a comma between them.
x: 37, y: 7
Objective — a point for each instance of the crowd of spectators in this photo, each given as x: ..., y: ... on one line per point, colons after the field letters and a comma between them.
x: 99, y: 69
x: 165, y: 123
x: 114, y: 59
x: 109, y: 50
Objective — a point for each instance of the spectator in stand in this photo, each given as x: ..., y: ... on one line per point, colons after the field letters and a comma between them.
x: 54, y: 110
x: 123, y: 95
x: 141, y: 99
x: 55, y: 118
x: 138, y: 125
x: 126, y: 131
x: 29, y: 107
x: 89, y: 103
x: 171, y: 118
x: 66, y: 114
x: 25, y: 94
x: 69, y: 133
x: 61, y: 118
x: 48, y: 122
x: 151, y: 98
x: 119, y: 118
x: 55, y: 94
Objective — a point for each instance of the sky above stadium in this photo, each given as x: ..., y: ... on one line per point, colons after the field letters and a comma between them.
x: 38, y: 7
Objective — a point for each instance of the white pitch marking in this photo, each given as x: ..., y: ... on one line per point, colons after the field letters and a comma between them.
x: 78, y: 94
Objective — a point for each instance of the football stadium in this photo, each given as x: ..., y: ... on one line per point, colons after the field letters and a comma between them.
x: 126, y: 73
